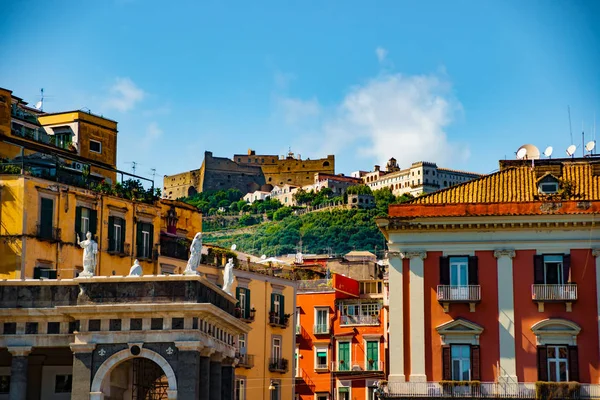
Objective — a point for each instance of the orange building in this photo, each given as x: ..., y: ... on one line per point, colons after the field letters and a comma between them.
x: 495, y: 285
x: 340, y: 340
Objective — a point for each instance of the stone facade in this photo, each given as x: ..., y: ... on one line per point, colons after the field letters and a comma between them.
x: 113, y: 338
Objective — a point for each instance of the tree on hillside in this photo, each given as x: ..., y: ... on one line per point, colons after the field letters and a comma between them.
x: 359, y: 189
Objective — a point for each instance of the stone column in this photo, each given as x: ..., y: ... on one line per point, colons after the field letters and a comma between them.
x: 417, y: 315
x: 396, y: 313
x: 205, y: 373
x: 18, y: 372
x: 227, y: 379
x: 82, y: 371
x: 596, y: 253
x: 506, y: 316
x: 188, y: 374
x: 215, y: 376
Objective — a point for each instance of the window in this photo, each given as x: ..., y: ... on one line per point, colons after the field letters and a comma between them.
x: 322, y: 396
x: 242, y: 344
x: 94, y: 325
x: 360, y: 313
x: 53, y: 328
x: 548, y: 185
x: 145, y: 239
x: 4, y: 384
x: 343, y: 356
x: 321, y: 358
x: 322, y: 321
x: 46, y: 230
x: 558, y: 359
x: 116, y: 234
x: 459, y: 272
x: 243, y: 296
x: 135, y: 324
x: 276, y: 391
x: 297, y: 361
x: 461, y: 362
x: 95, y: 146
x: 31, y: 328
x: 85, y: 221
x: 552, y: 269
x: 63, y: 383
x: 372, y: 355
x: 156, y: 324
x: 240, y: 388
x: 344, y: 393
x: 371, y: 287
x: 276, y: 348
x: 298, y: 326
x: 277, y: 309
x: 558, y: 363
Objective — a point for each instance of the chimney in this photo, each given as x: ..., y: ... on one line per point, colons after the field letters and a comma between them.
x: 251, y: 152
x: 377, y: 168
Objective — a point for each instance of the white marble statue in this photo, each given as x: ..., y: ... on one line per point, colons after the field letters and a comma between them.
x: 90, y: 251
x: 136, y: 269
x: 228, y: 276
x: 195, y: 255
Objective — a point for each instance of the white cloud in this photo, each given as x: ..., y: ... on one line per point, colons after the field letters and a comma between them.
x: 124, y: 95
x: 153, y: 132
x: 393, y: 115
x: 381, y: 54
x: 296, y: 110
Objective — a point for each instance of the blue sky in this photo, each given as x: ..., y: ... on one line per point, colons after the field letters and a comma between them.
x: 461, y: 83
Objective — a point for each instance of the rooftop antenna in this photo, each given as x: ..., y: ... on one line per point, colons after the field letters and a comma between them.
x: 590, y: 146
x: 40, y: 104
x: 133, y: 165
x: 153, y: 172
x: 582, y: 140
x: 548, y: 151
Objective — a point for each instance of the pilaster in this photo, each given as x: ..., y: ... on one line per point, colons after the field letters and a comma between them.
x: 506, y: 316
x: 18, y: 372
x: 204, y: 380
x: 417, y: 315
x: 396, y: 324
x: 82, y: 371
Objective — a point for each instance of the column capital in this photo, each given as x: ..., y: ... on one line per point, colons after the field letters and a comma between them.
x: 229, y: 361
x: 82, y: 347
x: 596, y: 252
x: 217, y: 357
x: 510, y: 253
x: 422, y: 254
x: 207, y: 352
x: 20, y: 351
x: 393, y: 254
x: 189, y: 346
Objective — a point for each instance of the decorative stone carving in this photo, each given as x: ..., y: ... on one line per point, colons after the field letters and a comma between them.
x: 195, y: 255
x: 90, y: 251
x: 136, y: 269
x: 596, y: 252
x: 228, y: 276
x: 414, y: 254
x: 504, y: 253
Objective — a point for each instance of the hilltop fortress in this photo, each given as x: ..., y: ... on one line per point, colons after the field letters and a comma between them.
x: 246, y: 172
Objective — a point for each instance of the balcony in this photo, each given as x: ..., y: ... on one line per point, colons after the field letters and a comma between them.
x: 486, y: 390
x: 321, y: 330
x: 241, y: 314
x: 344, y: 367
x: 245, y: 360
x: 174, y: 248
x: 39, y: 135
x: 278, y: 365
x: 278, y: 320
x: 348, y: 320
x: 447, y: 294
x: 566, y: 293
x: 48, y: 232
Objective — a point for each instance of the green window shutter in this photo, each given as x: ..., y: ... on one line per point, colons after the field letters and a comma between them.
x: 273, y: 302
x: 47, y: 217
x: 281, y: 306
x: 111, y: 233
x: 237, y: 295
x: 247, y: 305
x: 123, y: 233
x: 139, y: 239
x: 78, y: 222
x: 344, y: 355
x: 372, y: 351
x: 151, y: 241
x: 93, y: 221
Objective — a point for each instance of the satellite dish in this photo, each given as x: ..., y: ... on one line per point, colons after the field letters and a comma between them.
x: 590, y: 145
x: 39, y: 105
x: 571, y: 150
x: 263, y: 257
x: 548, y: 151
x: 233, y: 247
x: 528, y: 151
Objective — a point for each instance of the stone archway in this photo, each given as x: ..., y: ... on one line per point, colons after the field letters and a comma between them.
x: 116, y: 359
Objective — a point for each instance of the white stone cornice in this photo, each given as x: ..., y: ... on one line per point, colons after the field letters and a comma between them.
x: 596, y: 252
x: 414, y: 254
x: 20, y: 351
x: 510, y: 253
x: 189, y: 346
x: 82, y: 347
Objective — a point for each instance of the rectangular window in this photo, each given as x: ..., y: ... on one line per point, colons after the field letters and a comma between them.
x: 276, y: 349
x: 360, y: 313
x: 4, y: 384
x: 46, y: 218
x: 461, y: 362
x: 116, y: 234
x: 322, y: 396
x: 85, y: 221
x: 242, y: 343
x: 373, y: 355
x: 344, y: 393
x: 558, y: 363
x: 322, y: 318
x: 553, y: 270
x: 240, y: 389
x: 95, y: 146
x: 276, y: 391
x: 459, y: 271
x: 53, y: 328
x: 344, y: 356
x: 63, y: 383
x: 321, y: 358
x: 243, y: 296
x: 298, y: 326
x: 145, y: 239
x: 277, y: 309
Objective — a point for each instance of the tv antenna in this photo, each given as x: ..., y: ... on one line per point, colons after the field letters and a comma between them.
x: 571, y: 150
x: 133, y: 165
x: 40, y: 104
x: 153, y: 173
x: 548, y: 151
x: 590, y: 146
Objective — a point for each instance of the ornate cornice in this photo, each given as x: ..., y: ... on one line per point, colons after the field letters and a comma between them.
x: 510, y: 253
x: 409, y: 225
x: 207, y: 352
x: 596, y: 252
x: 189, y: 346
x: 414, y: 254
x: 82, y: 347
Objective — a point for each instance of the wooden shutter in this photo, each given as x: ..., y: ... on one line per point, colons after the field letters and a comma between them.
x: 475, y: 363
x: 151, y: 241
x: 538, y: 269
x: 237, y: 295
x: 566, y: 268
x: 473, y: 271
x: 78, y: 222
x: 372, y: 351
x: 542, y: 361
x: 446, y: 364
x: 139, y: 240
x: 281, y: 306
x: 573, y: 364
x: 272, y: 302
x: 247, y: 305
x: 93, y: 221
x: 444, y: 271
x: 46, y: 217
x: 123, y: 233
x: 111, y: 233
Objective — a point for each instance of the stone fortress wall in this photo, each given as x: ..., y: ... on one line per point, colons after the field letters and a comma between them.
x: 246, y: 172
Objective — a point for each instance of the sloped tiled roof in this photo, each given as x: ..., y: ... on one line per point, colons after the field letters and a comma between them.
x: 516, y: 184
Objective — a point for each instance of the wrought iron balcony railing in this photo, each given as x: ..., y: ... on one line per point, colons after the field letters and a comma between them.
x: 47, y: 232
x: 359, y: 320
x: 321, y: 329
x: 278, y: 365
x: 246, y: 360
x: 566, y: 292
x: 458, y: 293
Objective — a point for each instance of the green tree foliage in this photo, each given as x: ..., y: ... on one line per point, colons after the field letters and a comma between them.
x: 359, y: 189
x: 205, y: 201
x: 282, y: 213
